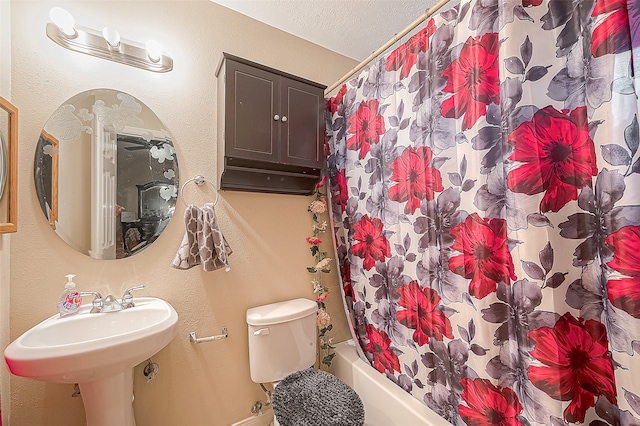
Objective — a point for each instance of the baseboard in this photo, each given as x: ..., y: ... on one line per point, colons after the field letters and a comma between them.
x: 264, y: 420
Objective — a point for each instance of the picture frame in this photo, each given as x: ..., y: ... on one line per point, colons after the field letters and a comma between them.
x: 9, y: 197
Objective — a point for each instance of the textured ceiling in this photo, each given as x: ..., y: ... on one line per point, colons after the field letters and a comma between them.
x: 354, y: 28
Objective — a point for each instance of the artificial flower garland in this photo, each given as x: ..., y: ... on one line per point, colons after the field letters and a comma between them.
x: 317, y: 207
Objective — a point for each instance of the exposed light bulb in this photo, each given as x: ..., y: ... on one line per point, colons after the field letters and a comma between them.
x: 154, y: 50
x: 64, y: 20
x: 112, y: 36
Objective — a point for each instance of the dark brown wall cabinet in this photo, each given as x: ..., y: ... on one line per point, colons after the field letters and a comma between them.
x: 272, y: 128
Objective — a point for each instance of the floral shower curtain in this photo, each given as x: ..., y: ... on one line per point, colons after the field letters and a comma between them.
x: 485, y: 182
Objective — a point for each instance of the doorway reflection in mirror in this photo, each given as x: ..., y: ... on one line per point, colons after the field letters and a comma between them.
x: 117, y: 174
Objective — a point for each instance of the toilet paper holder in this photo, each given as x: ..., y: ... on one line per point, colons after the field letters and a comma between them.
x: 194, y: 339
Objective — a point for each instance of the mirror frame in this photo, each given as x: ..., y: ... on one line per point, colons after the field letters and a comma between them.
x: 11, y: 190
x: 53, y: 213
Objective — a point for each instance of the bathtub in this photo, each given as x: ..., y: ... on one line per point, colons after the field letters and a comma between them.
x: 385, y: 404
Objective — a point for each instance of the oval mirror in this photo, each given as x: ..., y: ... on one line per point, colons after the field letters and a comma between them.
x: 106, y: 174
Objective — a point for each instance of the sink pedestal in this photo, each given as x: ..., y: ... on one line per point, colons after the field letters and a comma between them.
x: 109, y: 401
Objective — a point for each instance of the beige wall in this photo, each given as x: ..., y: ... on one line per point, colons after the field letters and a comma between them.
x: 207, y: 384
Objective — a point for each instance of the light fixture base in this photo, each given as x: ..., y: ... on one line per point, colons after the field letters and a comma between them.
x: 93, y: 43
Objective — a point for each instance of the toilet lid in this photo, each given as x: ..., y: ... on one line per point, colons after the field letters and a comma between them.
x: 316, y: 398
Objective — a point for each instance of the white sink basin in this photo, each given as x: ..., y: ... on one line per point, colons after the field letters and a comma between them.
x: 96, y: 350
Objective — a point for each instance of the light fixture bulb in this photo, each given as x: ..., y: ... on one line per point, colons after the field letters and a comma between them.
x: 112, y: 36
x: 154, y: 50
x: 64, y: 20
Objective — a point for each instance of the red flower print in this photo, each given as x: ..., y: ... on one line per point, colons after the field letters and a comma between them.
x: 371, y: 245
x: 488, y: 405
x: 474, y: 80
x: 529, y: 3
x: 384, y: 359
x: 576, y: 364
x: 406, y: 55
x: 421, y: 314
x: 366, y: 127
x: 340, y: 190
x: 624, y: 293
x: 558, y: 156
x: 485, y: 255
x: 334, y: 103
x: 612, y: 34
x: 417, y: 181
x: 345, y: 272
x: 348, y: 289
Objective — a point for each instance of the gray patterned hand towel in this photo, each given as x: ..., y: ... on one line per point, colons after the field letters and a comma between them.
x: 203, y: 242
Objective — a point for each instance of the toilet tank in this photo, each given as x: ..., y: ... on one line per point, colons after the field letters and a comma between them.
x: 282, y: 339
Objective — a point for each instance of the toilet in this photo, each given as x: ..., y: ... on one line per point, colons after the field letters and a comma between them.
x: 282, y: 352
x: 282, y: 340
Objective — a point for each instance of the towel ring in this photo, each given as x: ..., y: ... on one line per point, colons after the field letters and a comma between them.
x: 199, y: 180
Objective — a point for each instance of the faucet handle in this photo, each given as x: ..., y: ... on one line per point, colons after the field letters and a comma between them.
x: 127, y: 297
x: 98, y: 302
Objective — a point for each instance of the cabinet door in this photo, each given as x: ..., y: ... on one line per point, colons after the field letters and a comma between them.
x: 302, y: 123
x: 251, y: 126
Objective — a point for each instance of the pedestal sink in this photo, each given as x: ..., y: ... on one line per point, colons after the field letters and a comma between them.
x: 98, y: 351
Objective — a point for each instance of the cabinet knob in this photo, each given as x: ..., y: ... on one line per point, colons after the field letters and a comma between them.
x: 284, y: 119
x: 276, y: 117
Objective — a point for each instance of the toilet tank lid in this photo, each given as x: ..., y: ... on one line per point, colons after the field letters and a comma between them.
x: 279, y: 312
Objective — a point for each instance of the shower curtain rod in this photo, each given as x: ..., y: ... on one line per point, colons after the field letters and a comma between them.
x: 397, y: 37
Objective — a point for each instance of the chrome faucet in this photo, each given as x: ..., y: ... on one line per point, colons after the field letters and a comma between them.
x: 110, y: 303
x: 127, y: 297
x: 98, y: 301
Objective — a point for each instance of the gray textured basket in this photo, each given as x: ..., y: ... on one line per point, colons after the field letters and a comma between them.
x: 316, y: 398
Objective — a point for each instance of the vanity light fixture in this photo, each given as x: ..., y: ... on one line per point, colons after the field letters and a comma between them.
x: 106, y: 44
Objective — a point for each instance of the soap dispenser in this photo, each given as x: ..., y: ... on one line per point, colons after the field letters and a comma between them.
x: 70, y: 300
